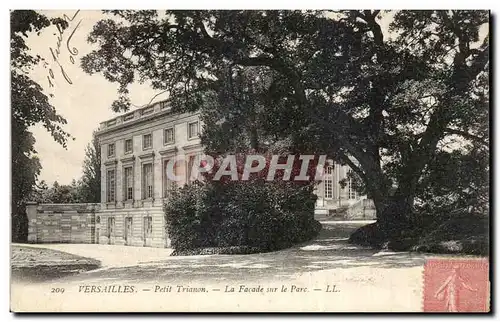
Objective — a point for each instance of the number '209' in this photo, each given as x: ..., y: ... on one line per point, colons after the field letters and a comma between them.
x: 57, y: 290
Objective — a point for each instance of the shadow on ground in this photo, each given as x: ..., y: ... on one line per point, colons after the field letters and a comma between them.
x: 33, y: 265
x: 47, y: 273
x: 329, y: 250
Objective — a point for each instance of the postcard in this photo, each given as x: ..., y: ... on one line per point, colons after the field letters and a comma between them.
x: 250, y: 161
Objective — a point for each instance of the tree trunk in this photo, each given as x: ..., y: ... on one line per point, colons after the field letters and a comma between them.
x: 393, y: 214
x: 19, y: 222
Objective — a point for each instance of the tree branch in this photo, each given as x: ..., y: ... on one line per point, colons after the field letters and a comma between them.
x: 467, y: 135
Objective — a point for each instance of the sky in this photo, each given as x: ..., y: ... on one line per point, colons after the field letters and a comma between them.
x: 84, y: 103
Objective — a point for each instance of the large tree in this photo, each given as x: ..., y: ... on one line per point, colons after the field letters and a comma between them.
x: 30, y: 106
x: 382, y: 100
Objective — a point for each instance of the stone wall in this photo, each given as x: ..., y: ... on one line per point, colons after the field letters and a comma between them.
x: 89, y: 224
x: 61, y: 223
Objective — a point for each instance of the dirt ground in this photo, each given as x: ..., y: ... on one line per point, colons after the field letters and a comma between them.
x: 126, y: 264
x: 335, y: 275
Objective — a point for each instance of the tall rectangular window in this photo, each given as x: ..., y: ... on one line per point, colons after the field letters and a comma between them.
x: 147, y: 141
x: 129, y: 147
x: 110, y: 185
x: 129, y: 183
x: 111, y: 226
x: 168, y: 183
x: 189, y: 170
x: 328, y: 182
x: 111, y: 150
x: 147, y: 180
x: 193, y: 130
x: 351, y: 189
x: 168, y: 136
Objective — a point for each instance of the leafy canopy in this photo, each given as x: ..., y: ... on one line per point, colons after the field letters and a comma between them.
x: 383, y: 100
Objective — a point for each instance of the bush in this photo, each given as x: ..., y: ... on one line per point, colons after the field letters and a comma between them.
x: 465, y: 234
x: 455, y: 233
x: 257, y: 215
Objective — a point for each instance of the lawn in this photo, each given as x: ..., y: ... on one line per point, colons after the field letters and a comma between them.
x: 31, y: 264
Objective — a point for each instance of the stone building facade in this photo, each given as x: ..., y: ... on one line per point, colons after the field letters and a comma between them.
x: 135, y: 150
x: 336, y: 201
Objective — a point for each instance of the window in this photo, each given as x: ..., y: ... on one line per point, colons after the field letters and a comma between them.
x: 351, y: 188
x: 129, y: 147
x: 129, y: 183
x: 163, y: 105
x: 111, y: 150
x: 110, y: 186
x: 111, y: 227
x: 147, y: 141
x: 168, y: 183
x: 193, y: 130
x: 128, y: 229
x: 147, y: 181
x: 189, y: 171
x: 328, y: 182
x: 328, y: 188
x: 192, y: 170
x: 148, y: 229
x: 168, y: 136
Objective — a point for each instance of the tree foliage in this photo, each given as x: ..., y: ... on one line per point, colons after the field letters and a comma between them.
x: 91, y: 178
x: 30, y: 106
x: 385, y: 102
x: 58, y: 193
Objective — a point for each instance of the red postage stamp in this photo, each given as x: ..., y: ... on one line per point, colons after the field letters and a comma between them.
x: 456, y: 285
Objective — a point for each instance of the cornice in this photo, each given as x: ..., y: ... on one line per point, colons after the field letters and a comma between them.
x: 128, y: 159
x: 168, y: 151
x: 111, y: 162
x: 191, y: 147
x: 147, y: 155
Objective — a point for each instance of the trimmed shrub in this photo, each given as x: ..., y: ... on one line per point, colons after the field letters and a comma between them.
x: 254, y: 215
x: 183, y: 222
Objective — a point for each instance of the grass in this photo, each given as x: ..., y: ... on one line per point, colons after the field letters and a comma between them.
x: 29, y: 264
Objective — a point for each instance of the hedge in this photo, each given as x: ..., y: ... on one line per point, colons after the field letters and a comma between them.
x: 256, y: 215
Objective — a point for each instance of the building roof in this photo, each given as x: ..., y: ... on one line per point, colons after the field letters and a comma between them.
x: 139, y: 115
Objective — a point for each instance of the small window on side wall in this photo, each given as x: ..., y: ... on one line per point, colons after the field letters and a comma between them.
x: 168, y: 136
x: 193, y: 130
x: 111, y: 150
x: 147, y: 141
x: 129, y: 147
